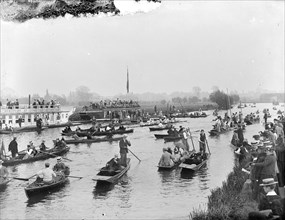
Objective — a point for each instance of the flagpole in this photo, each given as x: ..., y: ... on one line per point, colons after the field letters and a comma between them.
x: 127, y: 80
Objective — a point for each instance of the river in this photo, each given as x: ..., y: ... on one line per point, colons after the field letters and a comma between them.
x: 143, y: 193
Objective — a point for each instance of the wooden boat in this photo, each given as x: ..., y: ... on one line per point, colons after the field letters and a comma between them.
x: 172, y: 138
x: 119, y: 131
x: 214, y: 132
x: 4, y: 183
x: 40, y: 156
x: 104, y: 177
x: 93, y: 140
x: 158, y: 128
x: 168, y: 168
x: 190, y: 165
x: 39, y: 188
x: 20, y: 130
x: 161, y: 136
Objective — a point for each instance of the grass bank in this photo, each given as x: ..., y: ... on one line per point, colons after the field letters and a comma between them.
x: 230, y: 201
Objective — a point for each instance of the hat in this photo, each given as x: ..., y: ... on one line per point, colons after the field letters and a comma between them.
x: 43, y: 141
x: 268, y: 182
x: 125, y: 135
x: 1, y: 161
x: 58, y: 158
x: 30, y: 142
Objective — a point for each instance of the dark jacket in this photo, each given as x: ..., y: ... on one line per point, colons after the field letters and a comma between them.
x: 272, y: 202
x: 13, y: 146
x: 268, y: 166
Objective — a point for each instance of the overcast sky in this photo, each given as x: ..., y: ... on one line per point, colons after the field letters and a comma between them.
x: 179, y: 45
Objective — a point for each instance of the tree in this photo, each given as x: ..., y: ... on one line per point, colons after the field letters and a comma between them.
x: 221, y: 99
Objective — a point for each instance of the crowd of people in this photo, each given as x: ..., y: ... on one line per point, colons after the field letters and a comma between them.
x: 37, y: 103
x: 264, y: 161
x: 181, y: 151
x: 111, y: 104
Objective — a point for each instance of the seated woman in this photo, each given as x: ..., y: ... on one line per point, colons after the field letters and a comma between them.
x: 113, y: 165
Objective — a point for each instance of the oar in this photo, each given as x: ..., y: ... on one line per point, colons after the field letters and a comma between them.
x: 79, y: 177
x: 54, y: 155
x: 135, y: 155
x: 208, y: 146
x: 24, y: 179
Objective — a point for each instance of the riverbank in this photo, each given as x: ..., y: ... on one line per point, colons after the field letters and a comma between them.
x: 230, y: 201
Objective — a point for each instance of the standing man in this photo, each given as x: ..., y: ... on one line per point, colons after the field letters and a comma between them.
x: 185, y: 134
x: 20, y: 121
x: 240, y: 134
x: 124, y: 143
x: 3, y: 172
x: 13, y: 147
x: 202, y: 142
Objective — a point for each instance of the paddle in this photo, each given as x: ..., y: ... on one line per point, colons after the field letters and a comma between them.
x: 54, y: 155
x: 135, y: 155
x: 79, y: 177
x: 24, y: 179
x: 208, y: 146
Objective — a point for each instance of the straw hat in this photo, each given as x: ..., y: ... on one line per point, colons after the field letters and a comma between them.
x: 58, y: 158
x: 268, y: 182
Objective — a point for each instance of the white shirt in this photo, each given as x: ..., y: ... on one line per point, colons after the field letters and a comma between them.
x: 46, y: 174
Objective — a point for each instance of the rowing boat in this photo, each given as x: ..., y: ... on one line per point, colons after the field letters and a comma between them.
x: 36, y: 188
x: 158, y: 128
x: 168, y: 168
x: 93, y: 140
x: 40, y: 156
x: 172, y: 138
x: 20, y: 130
x: 214, y: 132
x: 105, y: 177
x: 193, y: 165
x: 161, y: 136
x: 119, y: 131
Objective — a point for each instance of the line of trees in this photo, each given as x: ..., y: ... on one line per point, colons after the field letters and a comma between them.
x: 223, y: 100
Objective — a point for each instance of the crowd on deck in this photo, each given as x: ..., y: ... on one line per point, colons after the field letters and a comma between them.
x: 37, y: 103
x: 111, y: 104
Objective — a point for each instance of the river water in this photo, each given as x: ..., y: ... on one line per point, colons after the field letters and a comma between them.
x: 143, y: 193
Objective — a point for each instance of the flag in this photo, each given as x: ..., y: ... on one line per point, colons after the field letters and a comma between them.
x: 128, y: 80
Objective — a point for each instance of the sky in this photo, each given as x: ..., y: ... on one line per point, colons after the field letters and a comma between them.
x: 167, y: 47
